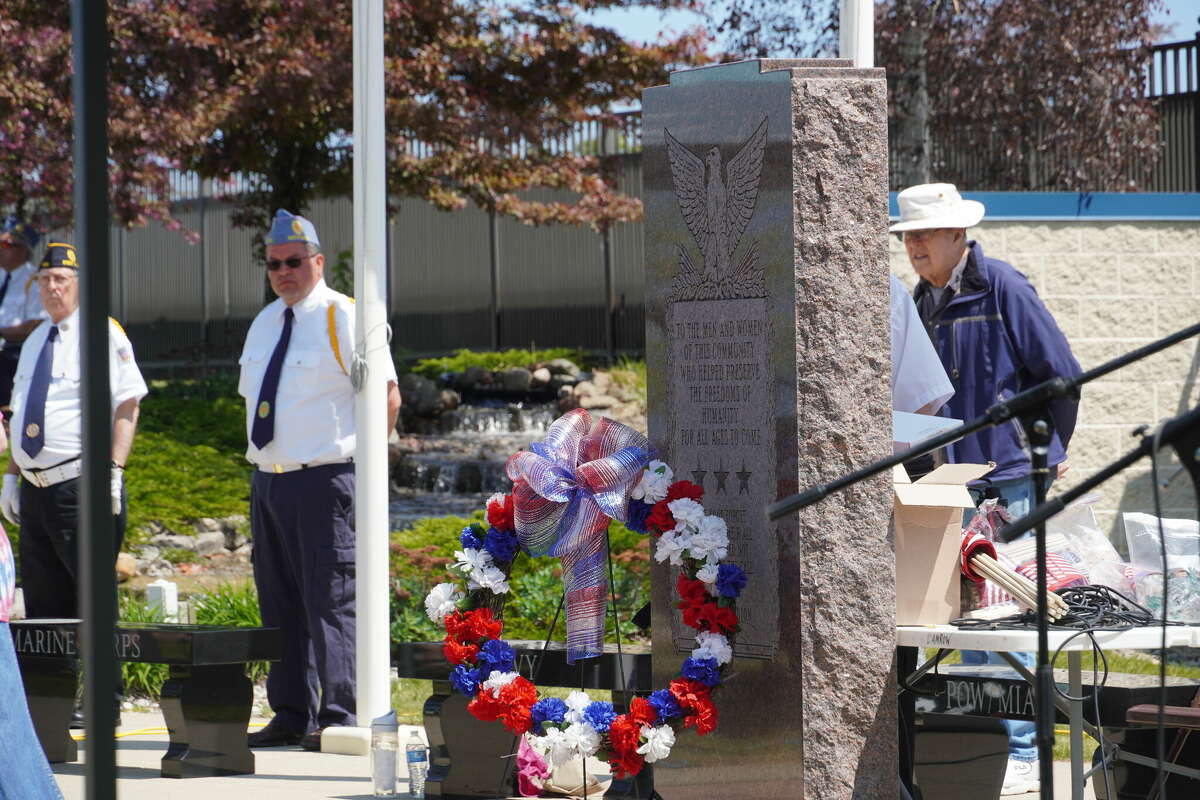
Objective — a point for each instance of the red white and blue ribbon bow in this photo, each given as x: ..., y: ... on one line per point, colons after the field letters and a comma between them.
x: 565, y: 489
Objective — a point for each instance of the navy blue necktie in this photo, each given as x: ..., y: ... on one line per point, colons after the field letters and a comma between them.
x: 4, y: 288
x: 33, y: 438
x: 263, y: 430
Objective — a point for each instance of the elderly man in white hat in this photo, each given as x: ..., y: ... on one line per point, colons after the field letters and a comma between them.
x: 995, y: 338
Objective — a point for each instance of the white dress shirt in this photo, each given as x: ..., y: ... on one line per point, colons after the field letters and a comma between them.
x: 918, y: 377
x: 21, y: 302
x: 314, y: 402
x: 64, y: 405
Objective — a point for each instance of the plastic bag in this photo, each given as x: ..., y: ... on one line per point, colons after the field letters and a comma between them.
x: 1182, y: 537
x: 1098, y: 560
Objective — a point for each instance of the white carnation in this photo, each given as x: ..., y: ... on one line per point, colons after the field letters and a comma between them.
x: 687, y: 512
x: 468, y: 560
x: 583, y: 738
x: 708, y: 576
x: 656, y: 480
x: 711, y: 541
x: 554, y: 746
x: 576, y: 701
x: 497, y: 680
x: 442, y: 600
x: 658, y: 744
x: 713, y: 645
x: 671, y: 546
x: 491, y: 578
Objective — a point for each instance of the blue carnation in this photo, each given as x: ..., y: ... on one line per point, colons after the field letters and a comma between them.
x: 599, y: 715
x: 730, y: 580
x: 470, y: 539
x: 465, y: 680
x: 704, y: 670
x: 497, y: 655
x: 548, y: 709
x: 501, y: 544
x: 665, y: 705
x: 635, y: 518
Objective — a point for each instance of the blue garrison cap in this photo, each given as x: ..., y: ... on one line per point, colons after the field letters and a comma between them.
x: 288, y: 227
x: 22, y: 231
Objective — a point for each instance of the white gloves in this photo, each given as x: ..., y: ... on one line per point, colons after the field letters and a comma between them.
x: 116, y: 484
x: 10, y: 500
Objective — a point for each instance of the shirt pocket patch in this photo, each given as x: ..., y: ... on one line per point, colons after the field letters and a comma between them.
x: 301, y: 371
x: 253, y: 365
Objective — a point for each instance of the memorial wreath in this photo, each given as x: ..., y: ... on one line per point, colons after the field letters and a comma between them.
x: 566, y: 488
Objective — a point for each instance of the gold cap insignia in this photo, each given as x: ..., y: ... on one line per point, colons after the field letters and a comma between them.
x: 297, y: 227
x: 32, y: 429
x: 264, y: 408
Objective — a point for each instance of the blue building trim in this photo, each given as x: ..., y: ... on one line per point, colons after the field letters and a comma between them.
x: 1082, y: 206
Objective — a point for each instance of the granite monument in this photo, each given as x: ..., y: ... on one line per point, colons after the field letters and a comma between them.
x: 767, y: 335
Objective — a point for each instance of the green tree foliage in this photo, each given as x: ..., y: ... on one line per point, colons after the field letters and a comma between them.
x: 480, y: 98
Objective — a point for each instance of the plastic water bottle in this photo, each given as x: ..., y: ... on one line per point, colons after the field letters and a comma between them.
x: 385, y: 746
x: 418, y: 764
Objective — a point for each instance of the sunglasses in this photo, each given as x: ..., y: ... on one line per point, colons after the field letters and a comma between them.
x: 293, y: 263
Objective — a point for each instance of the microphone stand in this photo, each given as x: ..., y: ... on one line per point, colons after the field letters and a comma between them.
x: 1031, y: 408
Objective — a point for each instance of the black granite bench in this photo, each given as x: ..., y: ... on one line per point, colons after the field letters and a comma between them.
x: 989, y: 690
x: 206, y: 701
x: 467, y: 757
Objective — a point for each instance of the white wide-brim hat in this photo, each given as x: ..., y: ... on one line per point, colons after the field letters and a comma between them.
x: 935, y: 205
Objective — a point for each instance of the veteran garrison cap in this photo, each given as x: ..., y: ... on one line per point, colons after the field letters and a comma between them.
x: 21, y: 230
x: 59, y: 254
x: 288, y: 227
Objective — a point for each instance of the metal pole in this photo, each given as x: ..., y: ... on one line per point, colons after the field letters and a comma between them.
x: 857, y: 32
x: 98, y: 595
x: 610, y: 341
x: 494, y: 263
x: 373, y: 650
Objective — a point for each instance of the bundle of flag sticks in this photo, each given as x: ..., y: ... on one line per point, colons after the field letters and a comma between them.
x: 1023, y: 590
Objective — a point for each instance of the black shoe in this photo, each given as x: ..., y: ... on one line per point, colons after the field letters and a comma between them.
x: 273, y: 736
x: 312, y: 740
x: 78, y: 723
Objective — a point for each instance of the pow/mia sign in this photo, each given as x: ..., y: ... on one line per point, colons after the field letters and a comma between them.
x: 264, y: 408
x: 32, y: 429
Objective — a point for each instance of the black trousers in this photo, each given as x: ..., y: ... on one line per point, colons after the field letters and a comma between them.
x: 9, y: 356
x: 49, y: 548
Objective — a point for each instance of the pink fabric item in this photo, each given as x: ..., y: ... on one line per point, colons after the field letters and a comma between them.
x: 531, y: 770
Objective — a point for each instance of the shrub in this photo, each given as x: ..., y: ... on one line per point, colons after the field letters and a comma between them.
x: 141, y: 680
x: 420, y: 557
x: 232, y: 605
x: 492, y: 360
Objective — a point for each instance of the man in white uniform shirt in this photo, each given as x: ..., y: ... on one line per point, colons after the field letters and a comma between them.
x: 295, y: 376
x: 47, y: 439
x: 20, y: 304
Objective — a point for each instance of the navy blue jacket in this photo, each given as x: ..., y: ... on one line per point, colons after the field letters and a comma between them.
x: 996, y: 339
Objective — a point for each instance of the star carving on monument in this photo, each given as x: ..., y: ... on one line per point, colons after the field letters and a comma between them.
x: 698, y: 476
x: 743, y: 479
x: 721, y: 474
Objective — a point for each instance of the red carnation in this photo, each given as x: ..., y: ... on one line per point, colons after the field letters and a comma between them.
x: 485, y: 707
x: 480, y: 624
x: 710, y: 617
x: 500, y: 512
x: 660, y: 519
x: 686, y: 489
x: 516, y: 698
x: 625, y: 765
x: 691, y: 592
x: 457, y: 653
x: 641, y: 712
x: 696, y: 698
x: 624, y: 733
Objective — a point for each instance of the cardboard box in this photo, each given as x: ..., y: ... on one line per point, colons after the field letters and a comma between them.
x: 928, y: 523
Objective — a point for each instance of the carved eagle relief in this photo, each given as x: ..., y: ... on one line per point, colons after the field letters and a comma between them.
x: 717, y: 202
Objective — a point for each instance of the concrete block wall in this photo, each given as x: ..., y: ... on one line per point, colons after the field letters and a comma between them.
x: 1113, y: 286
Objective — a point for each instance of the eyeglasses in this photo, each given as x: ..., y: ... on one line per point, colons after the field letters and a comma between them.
x: 55, y: 280
x: 293, y: 262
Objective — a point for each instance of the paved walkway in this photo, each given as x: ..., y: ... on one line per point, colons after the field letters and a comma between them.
x: 281, y: 773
